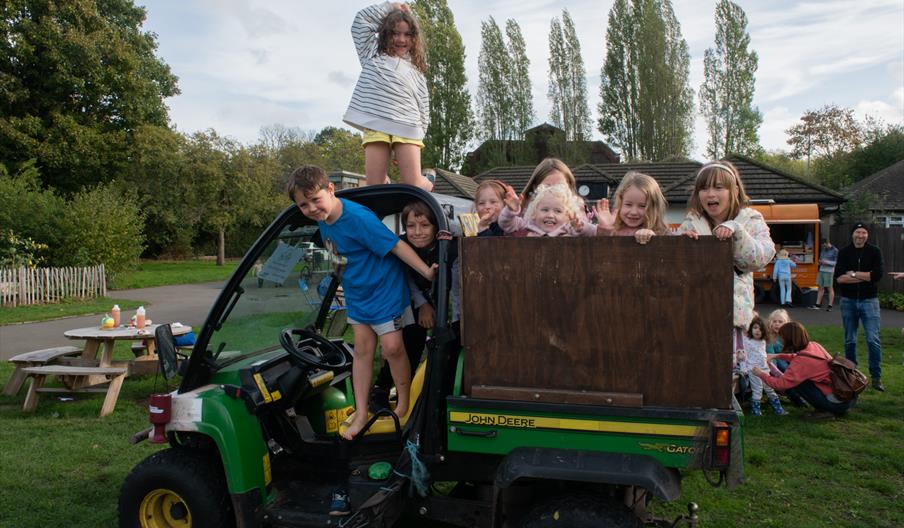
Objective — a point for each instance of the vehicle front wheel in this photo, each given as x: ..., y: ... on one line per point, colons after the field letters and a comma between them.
x: 580, y: 511
x: 175, y: 488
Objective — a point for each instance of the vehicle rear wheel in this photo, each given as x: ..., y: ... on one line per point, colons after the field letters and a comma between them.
x: 580, y: 511
x: 175, y: 488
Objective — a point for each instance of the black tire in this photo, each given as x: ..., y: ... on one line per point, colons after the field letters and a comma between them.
x: 176, y: 488
x: 580, y: 511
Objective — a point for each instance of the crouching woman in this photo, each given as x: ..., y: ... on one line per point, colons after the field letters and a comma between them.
x: 807, y: 377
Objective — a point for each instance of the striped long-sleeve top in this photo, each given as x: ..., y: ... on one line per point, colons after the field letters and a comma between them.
x: 391, y: 95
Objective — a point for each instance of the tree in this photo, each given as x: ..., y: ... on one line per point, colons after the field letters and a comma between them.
x: 231, y: 188
x: 646, y: 106
x: 726, y: 96
x: 494, y: 101
x: 567, y: 83
x: 825, y: 132
x: 519, y: 80
x: 451, y: 121
x: 78, y: 78
x: 340, y: 149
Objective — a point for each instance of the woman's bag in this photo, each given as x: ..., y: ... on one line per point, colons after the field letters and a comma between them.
x: 847, y: 381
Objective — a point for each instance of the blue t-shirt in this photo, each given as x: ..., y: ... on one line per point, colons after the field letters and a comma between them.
x: 374, y: 279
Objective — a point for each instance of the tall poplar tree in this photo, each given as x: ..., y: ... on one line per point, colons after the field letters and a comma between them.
x: 646, y: 107
x: 519, y: 80
x: 451, y: 120
x: 726, y: 95
x: 494, y: 99
x: 567, y: 83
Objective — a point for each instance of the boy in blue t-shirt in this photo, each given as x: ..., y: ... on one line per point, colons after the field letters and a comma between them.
x: 376, y: 290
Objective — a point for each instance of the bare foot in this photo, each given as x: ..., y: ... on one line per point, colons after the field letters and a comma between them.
x: 354, y: 428
x: 400, y: 410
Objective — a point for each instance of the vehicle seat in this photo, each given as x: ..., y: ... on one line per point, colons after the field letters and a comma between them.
x: 385, y: 424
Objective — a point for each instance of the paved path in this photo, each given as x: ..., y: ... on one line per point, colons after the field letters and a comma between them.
x: 890, y: 318
x: 188, y: 304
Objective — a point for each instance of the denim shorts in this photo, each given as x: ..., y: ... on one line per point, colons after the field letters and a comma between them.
x: 393, y: 325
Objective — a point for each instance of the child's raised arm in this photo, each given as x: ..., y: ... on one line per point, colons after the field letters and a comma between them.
x: 409, y: 257
x: 365, y: 27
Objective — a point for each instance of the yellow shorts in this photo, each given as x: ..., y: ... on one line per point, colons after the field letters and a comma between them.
x: 372, y: 136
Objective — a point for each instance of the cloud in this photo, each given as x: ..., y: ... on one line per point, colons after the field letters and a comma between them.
x: 341, y: 78
x: 775, y: 122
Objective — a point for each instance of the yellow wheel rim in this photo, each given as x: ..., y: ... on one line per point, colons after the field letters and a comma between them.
x: 163, y: 508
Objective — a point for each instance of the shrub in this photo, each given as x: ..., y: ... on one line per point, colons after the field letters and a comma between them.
x: 29, y: 212
x: 892, y: 301
x: 16, y: 251
x: 101, y: 225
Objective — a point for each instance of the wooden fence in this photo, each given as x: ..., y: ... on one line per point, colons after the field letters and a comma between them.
x: 23, y: 286
x: 889, y: 239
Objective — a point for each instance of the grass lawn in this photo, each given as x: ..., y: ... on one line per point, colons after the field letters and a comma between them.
x: 168, y: 272
x: 63, y: 466
x: 67, y: 308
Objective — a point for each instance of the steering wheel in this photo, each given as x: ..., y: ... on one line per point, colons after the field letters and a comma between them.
x: 313, y: 350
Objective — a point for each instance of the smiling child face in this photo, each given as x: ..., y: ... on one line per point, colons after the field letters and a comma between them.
x: 401, y: 39
x: 420, y: 232
x: 633, y: 209
x: 550, y: 214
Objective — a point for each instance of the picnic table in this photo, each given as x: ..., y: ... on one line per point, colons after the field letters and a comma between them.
x: 95, y: 365
x: 102, y: 340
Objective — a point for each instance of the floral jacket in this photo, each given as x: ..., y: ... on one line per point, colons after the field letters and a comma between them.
x: 753, y: 249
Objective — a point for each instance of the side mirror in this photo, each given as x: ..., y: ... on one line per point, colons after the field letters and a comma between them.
x: 166, y: 351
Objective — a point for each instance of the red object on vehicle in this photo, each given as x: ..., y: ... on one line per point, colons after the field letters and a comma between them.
x: 160, y: 409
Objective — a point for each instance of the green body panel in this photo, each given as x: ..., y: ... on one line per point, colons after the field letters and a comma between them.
x: 318, y: 410
x: 238, y: 436
x: 670, y: 451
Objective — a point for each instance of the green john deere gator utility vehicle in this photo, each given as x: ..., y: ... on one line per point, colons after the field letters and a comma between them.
x: 591, y: 373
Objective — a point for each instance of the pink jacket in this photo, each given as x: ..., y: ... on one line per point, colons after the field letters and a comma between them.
x: 515, y: 225
x: 811, y: 363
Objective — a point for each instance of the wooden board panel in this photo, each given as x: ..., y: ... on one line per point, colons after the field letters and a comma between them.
x: 601, y: 314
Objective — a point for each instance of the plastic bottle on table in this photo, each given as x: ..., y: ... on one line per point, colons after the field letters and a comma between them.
x: 139, y: 318
x: 116, y: 314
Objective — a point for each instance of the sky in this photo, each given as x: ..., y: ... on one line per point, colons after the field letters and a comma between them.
x: 245, y: 64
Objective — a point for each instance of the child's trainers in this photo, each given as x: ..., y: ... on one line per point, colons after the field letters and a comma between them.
x: 755, y: 408
x: 339, y: 503
x: 777, y: 406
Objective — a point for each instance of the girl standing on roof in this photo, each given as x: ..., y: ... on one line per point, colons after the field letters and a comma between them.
x: 718, y: 207
x: 390, y: 103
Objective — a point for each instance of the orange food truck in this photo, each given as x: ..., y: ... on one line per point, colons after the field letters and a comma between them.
x: 794, y: 228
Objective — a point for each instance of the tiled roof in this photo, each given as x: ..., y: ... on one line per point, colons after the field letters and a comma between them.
x: 887, y: 184
x: 453, y: 184
x: 677, y: 180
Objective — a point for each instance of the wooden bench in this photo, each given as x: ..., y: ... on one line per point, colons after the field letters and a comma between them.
x: 36, y: 358
x: 115, y: 376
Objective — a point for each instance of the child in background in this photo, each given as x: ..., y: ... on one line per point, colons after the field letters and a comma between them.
x: 774, y: 343
x: 488, y: 202
x: 640, y: 209
x: 550, y: 171
x: 553, y: 211
x: 390, y: 103
x: 421, y: 234
x: 718, y: 207
x: 781, y: 272
x: 754, y: 356
x: 374, y: 282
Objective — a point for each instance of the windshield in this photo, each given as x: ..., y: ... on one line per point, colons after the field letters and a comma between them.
x: 284, y: 289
